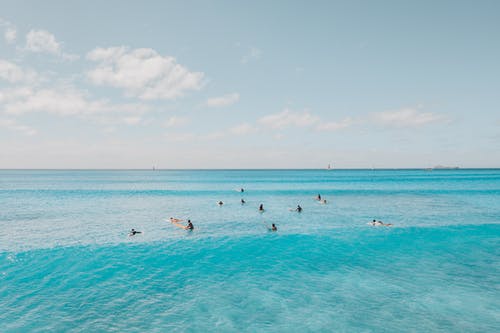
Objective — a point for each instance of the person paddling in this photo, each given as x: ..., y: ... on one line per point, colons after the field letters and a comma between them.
x: 133, y: 232
x: 189, y: 226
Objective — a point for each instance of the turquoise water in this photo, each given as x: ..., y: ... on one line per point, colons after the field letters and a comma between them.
x: 68, y: 265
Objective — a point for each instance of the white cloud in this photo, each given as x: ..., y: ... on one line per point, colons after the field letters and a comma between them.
x: 288, y: 118
x: 213, y: 135
x: 64, y: 101
x: 143, y: 73
x: 41, y: 41
x: 253, y: 54
x: 333, y: 126
x: 15, y: 74
x: 134, y: 120
x: 10, y: 35
x: 12, y: 125
x: 406, y: 117
x: 242, y: 129
x: 109, y: 130
x: 225, y: 100
x: 27, y: 96
x: 175, y: 121
x: 180, y: 137
x: 13, y: 95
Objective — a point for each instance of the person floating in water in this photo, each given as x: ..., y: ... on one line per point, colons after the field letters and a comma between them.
x: 133, y: 232
x: 376, y: 223
x: 299, y: 209
x: 189, y: 226
x: 261, y: 208
x: 242, y: 201
x: 270, y: 228
x: 318, y: 197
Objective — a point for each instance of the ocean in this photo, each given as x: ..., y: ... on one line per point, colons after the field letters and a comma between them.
x: 68, y: 264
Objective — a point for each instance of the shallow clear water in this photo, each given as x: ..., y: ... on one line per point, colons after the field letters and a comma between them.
x: 67, y: 263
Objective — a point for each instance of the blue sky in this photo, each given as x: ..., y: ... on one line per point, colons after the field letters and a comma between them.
x: 261, y: 84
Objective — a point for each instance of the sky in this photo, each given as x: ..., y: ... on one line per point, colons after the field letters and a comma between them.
x: 249, y: 84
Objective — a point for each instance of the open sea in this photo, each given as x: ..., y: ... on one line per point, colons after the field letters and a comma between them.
x: 67, y: 263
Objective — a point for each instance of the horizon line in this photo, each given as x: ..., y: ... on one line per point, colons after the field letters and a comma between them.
x: 248, y: 169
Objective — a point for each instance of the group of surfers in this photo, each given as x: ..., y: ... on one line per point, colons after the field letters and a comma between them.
x: 177, y: 222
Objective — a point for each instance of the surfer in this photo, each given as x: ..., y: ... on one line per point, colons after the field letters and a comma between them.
x: 242, y: 201
x: 261, y: 208
x: 189, y: 226
x: 134, y: 232
x: 220, y: 203
x: 242, y: 190
x: 174, y: 220
x: 274, y: 228
x: 299, y: 209
x: 318, y: 197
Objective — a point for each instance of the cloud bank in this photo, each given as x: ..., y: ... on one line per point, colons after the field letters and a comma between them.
x: 225, y: 100
x: 13, y: 73
x: 142, y: 73
x: 406, y: 117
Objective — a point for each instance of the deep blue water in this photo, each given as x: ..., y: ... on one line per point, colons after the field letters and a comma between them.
x: 67, y: 263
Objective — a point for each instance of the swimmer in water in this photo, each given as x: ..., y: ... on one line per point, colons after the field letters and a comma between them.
x: 261, y: 208
x: 299, y: 209
x: 376, y: 223
x: 242, y: 190
x: 242, y: 201
x: 318, y: 197
x: 271, y: 228
x: 134, y: 232
x: 220, y: 203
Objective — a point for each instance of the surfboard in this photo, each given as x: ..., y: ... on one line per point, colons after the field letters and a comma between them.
x: 178, y: 225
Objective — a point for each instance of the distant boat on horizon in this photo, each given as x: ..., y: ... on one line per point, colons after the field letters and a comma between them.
x: 329, y: 167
